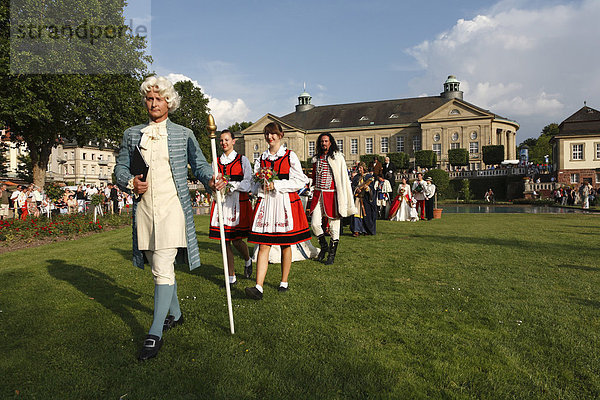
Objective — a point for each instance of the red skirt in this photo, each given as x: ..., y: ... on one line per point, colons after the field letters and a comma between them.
x: 239, y: 231
x: 299, y: 233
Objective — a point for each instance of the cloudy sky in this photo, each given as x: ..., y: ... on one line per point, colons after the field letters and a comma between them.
x: 531, y: 61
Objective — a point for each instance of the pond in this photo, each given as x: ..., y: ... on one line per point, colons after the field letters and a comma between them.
x: 500, y: 209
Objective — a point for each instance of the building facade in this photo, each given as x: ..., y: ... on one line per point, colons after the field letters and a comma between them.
x: 437, y: 123
x: 576, y: 148
x: 93, y: 163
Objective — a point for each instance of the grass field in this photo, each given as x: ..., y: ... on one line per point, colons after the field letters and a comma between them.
x: 467, y: 307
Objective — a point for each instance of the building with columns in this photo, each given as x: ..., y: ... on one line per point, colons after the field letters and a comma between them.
x: 576, y: 148
x: 437, y: 123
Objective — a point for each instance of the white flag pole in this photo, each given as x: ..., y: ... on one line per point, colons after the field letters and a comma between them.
x: 212, y: 128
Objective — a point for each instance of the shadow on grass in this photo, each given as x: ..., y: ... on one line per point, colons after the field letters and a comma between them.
x: 579, y: 267
x: 95, y: 284
x: 486, y: 241
x: 586, y: 302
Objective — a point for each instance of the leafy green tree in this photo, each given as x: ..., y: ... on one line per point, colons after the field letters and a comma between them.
x: 493, y: 154
x: 63, y: 100
x: 239, y: 126
x: 458, y: 157
x: 441, y: 180
x: 368, y: 158
x: 193, y: 113
x: 400, y: 160
x: 466, y: 190
x: 25, y: 168
x: 425, y: 158
x: 540, y: 147
x: 3, y: 159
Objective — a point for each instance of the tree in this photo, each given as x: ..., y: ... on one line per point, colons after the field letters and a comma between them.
x: 239, y: 126
x: 493, y: 154
x: 87, y: 91
x: 400, y: 160
x: 25, y: 168
x: 368, y: 158
x: 3, y: 159
x: 458, y: 157
x: 425, y: 158
x: 193, y: 113
x: 441, y: 180
x: 540, y: 147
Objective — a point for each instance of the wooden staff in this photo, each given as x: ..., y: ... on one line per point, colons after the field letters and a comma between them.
x: 212, y: 128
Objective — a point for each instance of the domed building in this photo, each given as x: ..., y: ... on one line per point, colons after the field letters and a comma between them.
x: 437, y: 123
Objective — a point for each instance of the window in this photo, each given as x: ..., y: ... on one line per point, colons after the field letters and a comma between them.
x: 577, y: 152
x: 473, y: 135
x: 597, y: 150
x: 455, y: 136
x: 474, y: 148
x: 454, y: 111
x: 72, y: 170
x: 416, y: 143
x: 334, y: 120
x: 385, y: 147
x: 72, y: 155
x: 311, y: 149
x: 84, y: 169
x: 99, y: 157
x: 597, y: 177
x: 83, y: 156
x: 474, y: 166
x: 364, y: 118
x: 109, y: 157
x: 93, y: 156
x: 437, y: 149
x: 394, y: 116
x: 93, y: 170
x: 574, y: 178
x: 340, y: 145
x: 400, y: 144
x: 66, y: 155
x: 353, y: 146
x: 455, y: 145
x: 368, y: 145
x: 436, y: 137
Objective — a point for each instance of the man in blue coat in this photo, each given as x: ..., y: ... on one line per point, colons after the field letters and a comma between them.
x: 163, y: 223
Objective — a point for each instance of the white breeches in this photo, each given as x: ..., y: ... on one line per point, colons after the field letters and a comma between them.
x: 317, y: 216
x: 163, y: 265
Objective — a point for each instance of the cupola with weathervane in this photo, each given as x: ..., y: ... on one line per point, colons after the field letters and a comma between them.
x: 304, y: 101
x: 451, y: 89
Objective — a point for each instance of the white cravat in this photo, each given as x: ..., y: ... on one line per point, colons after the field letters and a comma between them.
x: 154, y: 131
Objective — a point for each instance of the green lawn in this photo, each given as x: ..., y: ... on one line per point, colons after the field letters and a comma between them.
x: 470, y: 306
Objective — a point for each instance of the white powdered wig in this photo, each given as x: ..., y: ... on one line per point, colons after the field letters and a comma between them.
x: 165, y: 89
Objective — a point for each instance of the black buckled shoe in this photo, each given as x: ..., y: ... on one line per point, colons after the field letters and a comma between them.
x: 253, y: 293
x: 150, y: 348
x: 171, y: 323
x: 248, y: 270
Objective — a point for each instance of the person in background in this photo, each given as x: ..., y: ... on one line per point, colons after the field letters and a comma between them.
x: 418, y: 191
x: 389, y: 171
x: 279, y: 218
x: 332, y: 195
x: 237, y: 212
x: 364, y: 222
x: 4, y: 202
x: 429, y: 198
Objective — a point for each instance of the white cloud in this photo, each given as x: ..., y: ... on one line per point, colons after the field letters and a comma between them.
x: 225, y: 112
x: 527, y: 64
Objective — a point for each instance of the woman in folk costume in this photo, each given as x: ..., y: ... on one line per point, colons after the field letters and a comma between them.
x: 332, y: 195
x: 279, y: 217
x: 365, y: 220
x: 237, y: 211
x: 400, y: 210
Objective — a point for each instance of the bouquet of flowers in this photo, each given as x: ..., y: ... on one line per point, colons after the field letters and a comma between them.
x: 228, y: 186
x: 265, y: 176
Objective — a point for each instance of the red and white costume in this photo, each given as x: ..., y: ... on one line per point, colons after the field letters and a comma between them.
x: 332, y: 194
x: 237, y: 210
x: 279, y: 217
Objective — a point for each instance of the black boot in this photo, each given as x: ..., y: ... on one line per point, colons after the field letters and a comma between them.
x: 324, y: 247
x: 332, y: 249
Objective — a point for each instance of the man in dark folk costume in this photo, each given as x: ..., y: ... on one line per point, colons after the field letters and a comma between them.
x: 332, y: 195
x: 364, y: 221
x: 163, y: 224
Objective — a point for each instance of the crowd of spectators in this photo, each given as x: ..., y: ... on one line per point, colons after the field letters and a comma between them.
x: 584, y: 195
x: 31, y: 200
